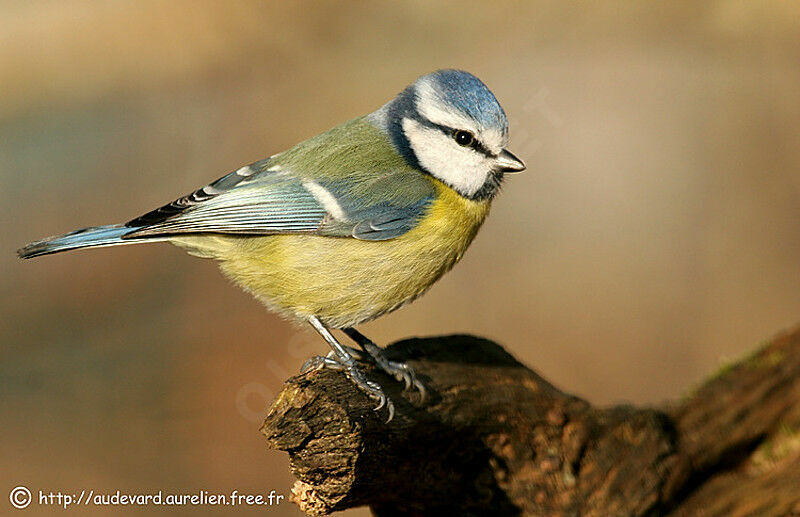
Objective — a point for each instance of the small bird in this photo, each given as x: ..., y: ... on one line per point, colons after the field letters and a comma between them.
x: 348, y: 225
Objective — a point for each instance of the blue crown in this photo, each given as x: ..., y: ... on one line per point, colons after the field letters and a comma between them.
x: 467, y: 94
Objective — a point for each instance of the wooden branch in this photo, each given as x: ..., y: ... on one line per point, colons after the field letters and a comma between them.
x: 495, y: 438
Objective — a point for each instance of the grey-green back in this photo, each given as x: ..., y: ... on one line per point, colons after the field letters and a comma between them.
x: 346, y: 182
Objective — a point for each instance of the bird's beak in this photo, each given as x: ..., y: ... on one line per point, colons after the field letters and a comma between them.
x: 508, y: 163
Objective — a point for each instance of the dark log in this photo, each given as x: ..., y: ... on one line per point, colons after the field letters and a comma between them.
x: 495, y: 438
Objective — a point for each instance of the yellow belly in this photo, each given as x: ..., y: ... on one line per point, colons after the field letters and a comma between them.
x: 344, y: 281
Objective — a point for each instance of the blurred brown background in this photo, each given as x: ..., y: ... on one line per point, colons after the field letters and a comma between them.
x: 654, y: 235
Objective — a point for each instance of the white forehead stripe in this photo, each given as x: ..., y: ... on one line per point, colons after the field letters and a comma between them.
x: 429, y: 104
x: 494, y: 140
x: 326, y: 199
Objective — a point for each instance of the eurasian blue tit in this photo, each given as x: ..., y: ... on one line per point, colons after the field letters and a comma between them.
x: 347, y: 225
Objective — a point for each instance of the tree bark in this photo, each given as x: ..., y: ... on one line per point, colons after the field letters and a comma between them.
x: 495, y: 438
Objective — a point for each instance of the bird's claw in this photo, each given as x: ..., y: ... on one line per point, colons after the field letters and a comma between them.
x: 372, y: 389
x: 400, y: 371
x: 405, y: 374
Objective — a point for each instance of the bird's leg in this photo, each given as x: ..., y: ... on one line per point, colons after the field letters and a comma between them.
x: 341, y: 359
x: 400, y: 371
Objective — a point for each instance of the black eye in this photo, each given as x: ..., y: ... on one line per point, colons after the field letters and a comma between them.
x: 462, y: 137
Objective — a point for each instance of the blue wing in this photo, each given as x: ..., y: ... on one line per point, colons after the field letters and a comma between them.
x: 386, y: 222
x: 263, y: 200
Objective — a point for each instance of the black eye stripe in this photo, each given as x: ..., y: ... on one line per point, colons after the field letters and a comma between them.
x: 478, y: 146
x: 449, y: 131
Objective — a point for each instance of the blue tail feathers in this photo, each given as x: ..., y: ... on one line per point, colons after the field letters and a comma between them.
x: 110, y: 235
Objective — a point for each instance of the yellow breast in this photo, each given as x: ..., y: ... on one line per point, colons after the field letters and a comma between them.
x: 345, y: 281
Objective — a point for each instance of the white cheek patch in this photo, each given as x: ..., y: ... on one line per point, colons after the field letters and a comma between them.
x: 462, y: 168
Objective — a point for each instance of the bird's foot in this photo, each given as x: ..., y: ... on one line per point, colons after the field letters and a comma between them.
x: 348, y: 366
x: 400, y: 371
